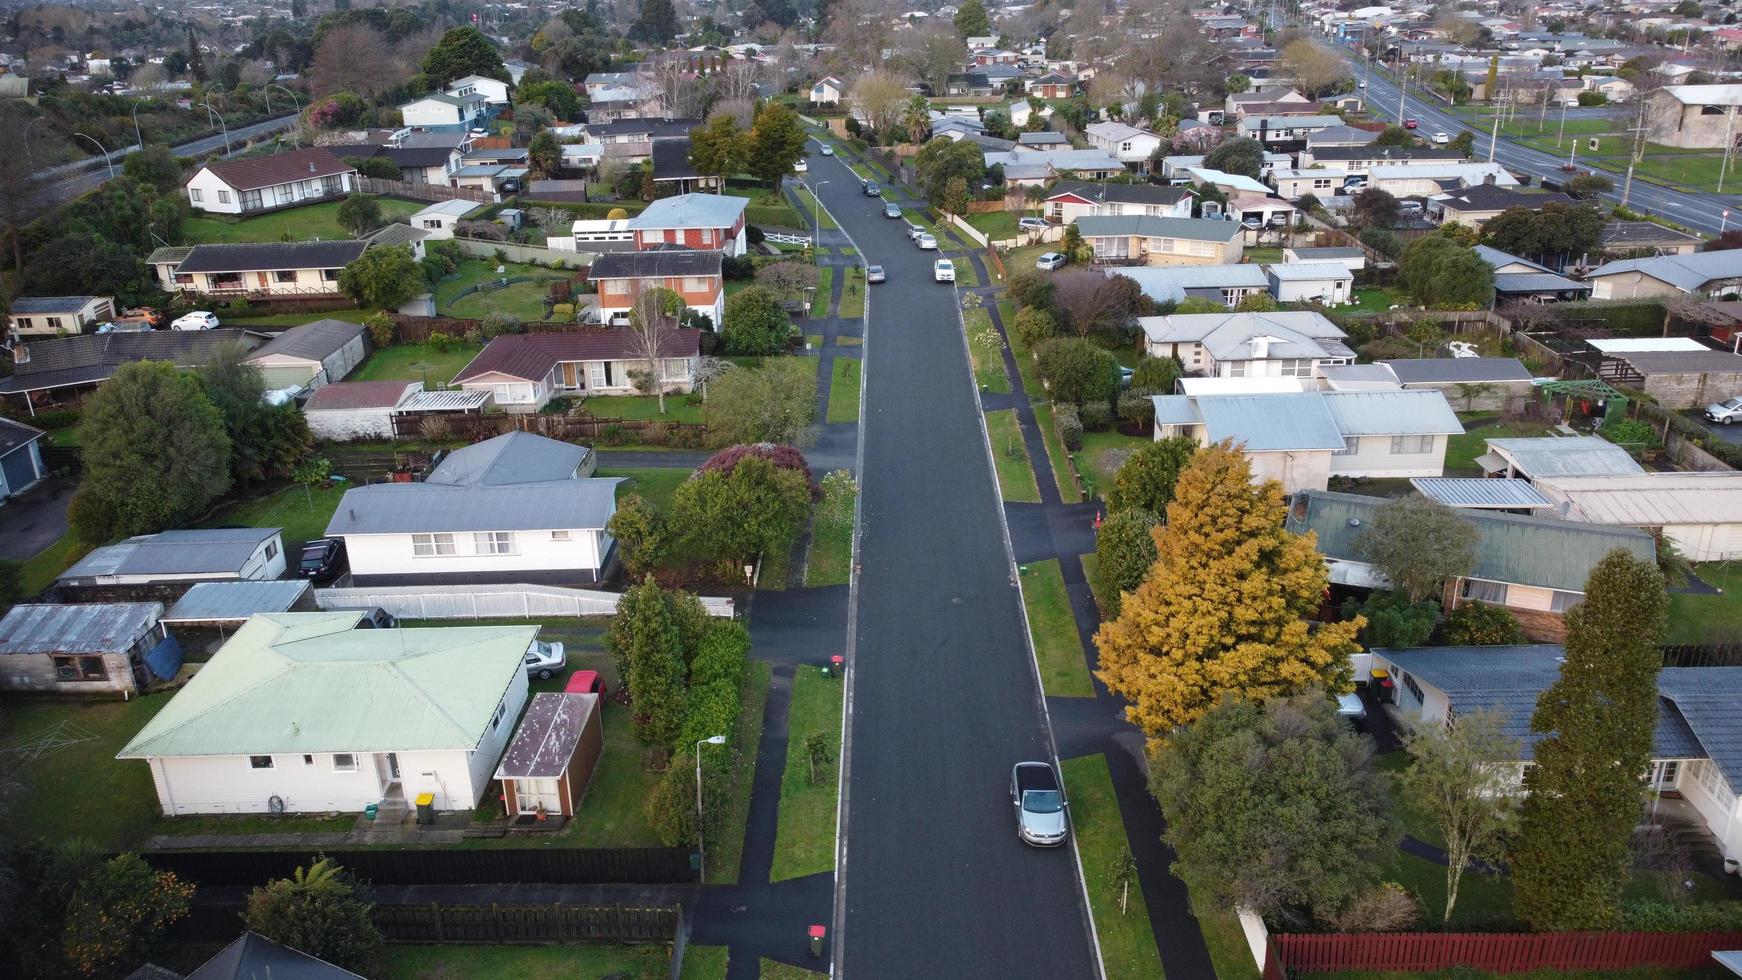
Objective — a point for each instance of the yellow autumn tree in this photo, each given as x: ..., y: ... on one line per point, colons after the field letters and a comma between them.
x: 1224, y: 609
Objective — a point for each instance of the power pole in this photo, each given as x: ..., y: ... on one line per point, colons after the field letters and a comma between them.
x: 1729, y: 145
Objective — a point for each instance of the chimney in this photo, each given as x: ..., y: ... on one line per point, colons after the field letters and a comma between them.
x: 1260, y: 347
x: 311, y: 166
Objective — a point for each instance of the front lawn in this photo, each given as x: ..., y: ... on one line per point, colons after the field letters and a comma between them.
x: 645, y: 961
x: 417, y: 362
x: 1462, y: 450
x: 804, y: 842
x: 1127, y: 942
x: 995, y: 225
x: 1057, y: 648
x: 986, y: 349
x: 1102, y: 455
x: 677, y: 408
x: 297, y: 224
x: 1010, y: 455
x: 302, y: 513
x: 294, y: 319
x: 654, y: 484
x: 1708, y: 618
x: 844, y: 387
x: 523, y: 299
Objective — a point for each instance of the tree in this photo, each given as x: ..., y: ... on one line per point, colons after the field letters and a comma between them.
x: 317, y: 911
x: 1464, y: 142
x: 119, y: 915
x: 558, y: 97
x: 1078, y: 371
x: 916, y: 119
x: 1440, y: 272
x: 1242, y: 155
x: 1392, y: 619
x: 756, y: 324
x: 1272, y: 807
x: 154, y: 166
x: 879, y: 96
x: 383, y: 277
x: 1418, y: 543
x: 789, y: 280
x: 653, y: 331
x: 1586, y: 790
x: 640, y: 533
x: 776, y: 142
x: 1225, y: 607
x: 955, y: 197
x: 774, y: 403
x: 463, y: 51
x: 1145, y: 481
x: 754, y: 510
x: 1395, y: 135
x: 1124, y: 552
x: 1238, y: 83
x: 971, y: 19
x: 78, y: 263
x: 357, y: 58
x: 1462, y: 776
x: 359, y: 214
x: 1376, y: 208
x: 657, y: 22
x: 545, y: 154
x: 654, y: 658
x: 718, y: 148
x: 1552, y: 233
x: 1091, y: 302
x: 196, y: 59
x: 1475, y: 624
x: 943, y: 159
x: 266, y: 441
x: 1317, y: 68
x: 1032, y: 289
x: 159, y: 454
x: 1590, y: 185
x: 1156, y: 374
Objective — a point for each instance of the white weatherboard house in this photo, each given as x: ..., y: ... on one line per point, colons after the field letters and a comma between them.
x: 1247, y: 345
x: 253, y: 184
x: 307, y: 713
x: 518, y: 508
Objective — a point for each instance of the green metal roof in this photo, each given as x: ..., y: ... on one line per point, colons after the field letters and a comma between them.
x: 290, y: 683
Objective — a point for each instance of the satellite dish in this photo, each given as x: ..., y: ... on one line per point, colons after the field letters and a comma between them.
x: 275, y: 804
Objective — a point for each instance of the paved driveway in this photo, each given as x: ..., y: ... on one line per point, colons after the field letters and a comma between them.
x: 35, y: 519
x: 945, y: 700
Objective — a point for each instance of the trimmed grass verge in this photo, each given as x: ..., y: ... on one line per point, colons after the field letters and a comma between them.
x: 853, y: 292
x: 1092, y: 562
x: 1063, y: 671
x: 1229, y: 953
x: 1015, y: 475
x: 641, y: 962
x: 1127, y: 944
x: 811, y: 211
x: 986, y: 348
x: 40, y: 572
x: 805, y: 841
x: 844, y: 390
x: 776, y: 970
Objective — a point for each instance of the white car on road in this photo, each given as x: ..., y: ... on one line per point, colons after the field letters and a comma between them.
x: 197, y: 320
x: 926, y: 240
x: 828, y: 150
x: 943, y: 270
x: 1441, y: 139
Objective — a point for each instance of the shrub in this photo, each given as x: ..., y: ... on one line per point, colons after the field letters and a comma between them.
x: 381, y: 329
x: 782, y: 456
x: 1135, y: 408
x: 756, y: 324
x: 498, y: 324
x: 735, y: 267
x: 614, y: 435
x: 563, y: 311
x: 1035, y: 326
x: 1387, y: 908
x: 1476, y: 624
x: 671, y: 809
x: 710, y: 709
x: 1655, y: 916
x: 1078, y: 371
x: 1631, y: 433
x: 1156, y: 374
x: 1031, y: 288
x: 1146, y: 480
x: 1096, y: 415
x: 1392, y: 620
x: 439, y: 342
x: 1124, y: 551
x: 1070, y: 426
x: 473, y: 335
x: 722, y: 654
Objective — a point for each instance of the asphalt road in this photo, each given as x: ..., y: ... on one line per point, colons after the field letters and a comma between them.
x: 1699, y: 211
x: 944, y: 698
x: 98, y: 174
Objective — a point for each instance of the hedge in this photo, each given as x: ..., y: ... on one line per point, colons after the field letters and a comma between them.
x: 1650, y: 916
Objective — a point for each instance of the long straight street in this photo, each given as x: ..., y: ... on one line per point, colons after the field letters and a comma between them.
x: 944, y: 698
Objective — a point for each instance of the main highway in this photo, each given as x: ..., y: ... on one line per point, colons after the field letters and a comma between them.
x: 75, y: 178
x: 1697, y: 210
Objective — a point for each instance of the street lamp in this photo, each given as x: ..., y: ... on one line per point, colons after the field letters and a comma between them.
x: 701, y: 846
x: 294, y: 101
x: 817, y: 217
x: 137, y: 138
x: 105, y: 150
x: 224, y: 126
x: 29, y: 157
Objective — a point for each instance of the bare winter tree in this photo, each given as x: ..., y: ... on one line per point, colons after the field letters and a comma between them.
x: 1087, y: 298
x: 879, y: 96
x: 682, y: 94
x: 742, y: 111
x: 355, y: 58
x: 788, y: 279
x: 738, y: 79
x: 653, y: 326
x: 551, y: 219
x: 708, y: 370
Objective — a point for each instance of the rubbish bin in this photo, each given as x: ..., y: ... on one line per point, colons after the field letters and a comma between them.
x: 426, y: 808
x: 370, y: 810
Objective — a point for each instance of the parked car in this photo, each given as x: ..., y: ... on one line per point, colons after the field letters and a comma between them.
x: 925, y: 240
x: 914, y: 231
x: 197, y: 320
x: 871, y: 189
x: 943, y: 270
x: 1441, y: 139
x: 1125, y: 376
x: 543, y: 660
x: 1726, y: 411
x: 828, y: 150
x: 801, y: 167
x: 1031, y: 224
x: 1252, y: 221
x: 1410, y: 124
x: 378, y: 618
x: 1361, y: 84
x: 1039, y: 800
x: 891, y: 209
x: 1050, y: 261
x: 322, y: 558
x: 585, y: 682
x: 874, y: 273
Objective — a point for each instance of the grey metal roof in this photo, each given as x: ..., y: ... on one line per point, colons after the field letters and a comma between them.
x: 1367, y: 413
x: 1229, y: 336
x: 97, y: 627
x: 510, y: 458
x: 396, y: 233
x: 1707, y: 698
x: 1536, y: 282
x: 1639, y: 234
x: 1497, y: 258
x: 691, y: 211
x: 1684, y: 362
x: 428, y: 508
x: 15, y: 434
x: 185, y: 552
x: 1164, y: 283
x: 168, y: 255
x: 1150, y: 226
x: 1175, y: 410
x: 1685, y: 272
x: 50, y: 304
x: 1479, y: 492
x: 1272, y: 422
x: 1308, y: 271
x: 548, y: 735
x: 233, y: 602
x: 254, y: 957
x: 314, y: 341
x: 1327, y: 252
x: 1565, y: 456
x: 1458, y: 370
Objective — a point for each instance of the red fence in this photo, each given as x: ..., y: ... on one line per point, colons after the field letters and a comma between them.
x: 1497, y: 952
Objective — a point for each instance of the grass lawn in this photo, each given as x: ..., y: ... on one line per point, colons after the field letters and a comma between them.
x: 1055, y: 451
x: 826, y: 289
x: 766, y: 207
x: 1127, y: 944
x: 1376, y: 299
x: 1461, y: 451
x: 1102, y: 455
x: 115, y: 803
x: 1706, y: 618
x: 416, y: 362
x: 303, y: 514
x: 614, y: 811
x: 813, y: 340
x: 966, y: 275
x: 805, y: 841
x: 844, y: 390
x: 1091, y: 562
x: 853, y: 293
x: 996, y: 225
x: 292, y: 224
x: 523, y: 299
x: 1269, y: 254
x: 295, y: 319
x: 704, y: 963
x: 40, y: 571
x: 831, y: 555
x: 725, y: 855
x: 776, y: 970
x: 643, y: 407
x: 1063, y: 672
x: 1015, y: 476
x: 811, y: 211
x: 641, y: 962
x: 1229, y: 953
x: 655, y: 484
x: 1025, y: 365
x: 1680, y: 168
x: 986, y: 348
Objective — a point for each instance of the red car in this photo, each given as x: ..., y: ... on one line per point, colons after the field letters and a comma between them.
x: 1410, y: 124
x: 585, y: 682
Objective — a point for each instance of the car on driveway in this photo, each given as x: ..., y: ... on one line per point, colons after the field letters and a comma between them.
x: 926, y: 240
x: 322, y: 559
x: 943, y: 270
x: 1031, y: 224
x: 197, y: 320
x: 874, y: 273
x: 1725, y: 412
x: 1039, y: 801
x: 543, y: 660
x: 891, y: 209
x: 1050, y: 261
x: 585, y: 682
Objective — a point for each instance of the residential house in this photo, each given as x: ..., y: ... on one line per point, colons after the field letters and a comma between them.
x: 1349, y: 256
x: 1518, y: 280
x: 311, y: 713
x: 523, y: 372
x: 180, y: 557
x: 827, y: 91
x: 312, y: 354
x: 1533, y: 567
x: 54, y: 316
x: 1278, y: 109
x: 1003, y: 77
x: 88, y: 648
x: 673, y: 173
x: 692, y: 221
x: 1412, y: 180
x: 694, y: 274
x: 518, y: 508
x: 1340, y: 136
x: 444, y: 113
x: 1302, y: 439
x: 1699, y: 513
x: 438, y: 220
x: 1271, y: 130
x: 253, y: 184
x: 1232, y: 185
x: 1225, y: 284
x: 551, y: 758
x: 1044, y: 140
x: 1145, y: 240
x: 1477, y: 204
x: 63, y: 366
x: 974, y: 84
x: 494, y: 179
x: 1474, y: 384
x: 1072, y: 199
x: 265, y: 269
x: 1550, y: 457
x: 1676, y: 379
x: 1616, y: 90
x: 1642, y: 239
x: 630, y: 141
x: 1028, y: 168
x: 21, y: 465
x: 1358, y: 160
x: 254, y: 957
x: 1293, y: 344
x: 1051, y: 85
x: 1324, y: 283
x: 595, y: 235
x: 346, y: 410
x: 426, y: 158
x: 1694, y: 116
x: 1703, y: 274
x: 1235, y: 100
x: 494, y: 91
x: 1320, y: 182
x: 1127, y: 144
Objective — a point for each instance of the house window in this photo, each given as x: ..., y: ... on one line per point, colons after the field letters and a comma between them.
x: 674, y: 369
x: 1351, y: 447
x: 308, y: 760
x: 431, y: 545
x: 1203, y: 248
x: 196, y: 195
x: 260, y: 762
x: 1296, y: 368
x: 695, y: 284
x: 329, y: 275
x: 1493, y: 593
x: 615, y: 287
x: 284, y: 275
x: 1666, y: 775
x: 344, y: 762
x: 250, y: 200
x: 1236, y: 369
x: 435, y: 223
x: 493, y: 542
x: 223, y: 197
x: 501, y: 709
x: 1560, y: 602
x: 23, y: 322
x: 79, y: 669
x: 1712, y: 781
x: 559, y: 536
x: 1411, y: 445
x: 271, y: 550
x: 54, y: 323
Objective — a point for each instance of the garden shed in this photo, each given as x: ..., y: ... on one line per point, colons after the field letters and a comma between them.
x: 83, y: 649
x: 551, y: 757
x: 312, y: 354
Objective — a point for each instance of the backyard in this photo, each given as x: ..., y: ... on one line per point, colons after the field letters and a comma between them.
x: 522, y: 299
x: 290, y: 225
x: 417, y: 362
x: 302, y: 513
x: 1696, y: 618
x: 805, y: 836
x: 656, y: 485
x: 1102, y: 455
x: 1462, y: 450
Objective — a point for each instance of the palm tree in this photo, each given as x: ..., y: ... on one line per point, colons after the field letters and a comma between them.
x: 916, y: 119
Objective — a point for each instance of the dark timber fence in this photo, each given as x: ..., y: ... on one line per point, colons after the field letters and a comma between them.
x: 542, y: 866
x: 1496, y: 952
x: 1702, y: 655
x: 555, y: 923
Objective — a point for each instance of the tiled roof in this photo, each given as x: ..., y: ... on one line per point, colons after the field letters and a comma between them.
x: 531, y: 356
x: 251, y: 173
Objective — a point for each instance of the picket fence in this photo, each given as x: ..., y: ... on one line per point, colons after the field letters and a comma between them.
x: 1498, y: 952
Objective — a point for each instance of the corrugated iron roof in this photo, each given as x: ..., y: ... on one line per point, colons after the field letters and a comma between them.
x: 548, y: 735
x: 1648, y: 499
x: 180, y: 552
x: 1479, y: 493
x: 214, y: 602
x: 1548, y: 456
x: 96, y: 627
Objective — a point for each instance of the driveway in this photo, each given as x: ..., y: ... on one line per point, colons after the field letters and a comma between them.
x: 35, y: 519
x: 1726, y: 433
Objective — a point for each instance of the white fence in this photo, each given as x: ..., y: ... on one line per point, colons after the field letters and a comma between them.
x: 531, y: 254
x: 967, y: 229
x: 489, y: 601
x: 1052, y: 233
x: 785, y: 239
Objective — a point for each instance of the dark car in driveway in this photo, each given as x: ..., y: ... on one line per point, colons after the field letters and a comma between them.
x: 323, y: 559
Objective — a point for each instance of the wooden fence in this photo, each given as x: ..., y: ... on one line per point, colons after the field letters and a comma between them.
x: 554, y: 923
x: 1496, y: 952
x: 416, y: 329
x: 371, y: 465
x: 566, y: 428
x: 996, y: 261
x: 430, y: 866
x: 419, y: 191
x: 1702, y: 654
